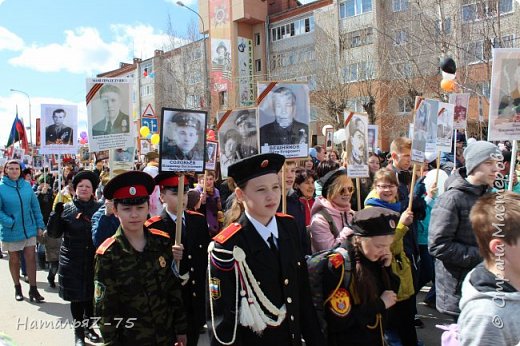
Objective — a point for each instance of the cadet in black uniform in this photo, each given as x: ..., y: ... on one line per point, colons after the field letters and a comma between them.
x: 195, y: 240
x: 137, y: 296
x: 355, y: 308
x: 258, y: 280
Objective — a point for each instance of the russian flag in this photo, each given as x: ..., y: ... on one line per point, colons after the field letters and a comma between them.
x: 18, y: 134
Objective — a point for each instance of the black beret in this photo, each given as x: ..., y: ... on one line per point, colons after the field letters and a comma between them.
x: 129, y: 185
x: 329, y: 178
x: 93, y: 177
x: 170, y: 180
x: 255, y: 166
x: 186, y: 119
x: 375, y: 221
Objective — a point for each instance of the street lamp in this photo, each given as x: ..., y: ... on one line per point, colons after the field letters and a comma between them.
x: 206, y: 86
x: 30, y: 119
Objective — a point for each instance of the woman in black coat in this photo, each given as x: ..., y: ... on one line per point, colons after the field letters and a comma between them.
x: 76, y: 269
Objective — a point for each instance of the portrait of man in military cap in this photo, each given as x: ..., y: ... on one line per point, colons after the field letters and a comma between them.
x: 112, y: 117
x: 183, y: 137
x: 357, y: 146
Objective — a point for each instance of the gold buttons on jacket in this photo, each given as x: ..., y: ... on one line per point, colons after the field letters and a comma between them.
x: 286, y: 282
x: 289, y: 300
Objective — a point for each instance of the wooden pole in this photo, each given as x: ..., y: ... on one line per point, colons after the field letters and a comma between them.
x: 205, y: 176
x: 512, y: 169
x: 454, y: 149
x: 180, y: 210
x: 411, y: 187
x: 438, y: 167
x: 60, y: 197
x: 284, y: 193
x: 358, y: 193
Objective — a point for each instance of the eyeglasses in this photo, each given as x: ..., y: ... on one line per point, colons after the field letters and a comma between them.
x: 344, y: 190
x: 386, y: 187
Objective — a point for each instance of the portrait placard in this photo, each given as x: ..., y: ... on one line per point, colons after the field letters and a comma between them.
x: 108, y: 106
x: 460, y: 112
x: 424, y: 137
x: 373, y: 135
x: 445, y: 126
x: 59, y: 129
x: 211, y: 155
x: 121, y: 160
x: 238, y: 136
x: 504, y: 107
x: 183, y: 140
x: 329, y: 139
x: 356, y: 130
x: 284, y: 115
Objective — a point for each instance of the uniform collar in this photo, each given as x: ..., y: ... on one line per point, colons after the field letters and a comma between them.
x: 174, y: 216
x: 264, y: 231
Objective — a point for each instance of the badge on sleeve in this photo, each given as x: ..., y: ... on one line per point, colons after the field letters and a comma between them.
x: 214, y: 288
x: 162, y: 262
x: 99, y: 291
x: 340, y: 303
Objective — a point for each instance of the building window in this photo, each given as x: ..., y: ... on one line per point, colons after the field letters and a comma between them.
x: 404, y: 104
x: 474, y: 52
x: 401, y: 38
x: 446, y: 24
x: 507, y: 42
x: 358, y: 72
x: 356, y: 104
x: 399, y: 5
x: 295, y: 28
x: 146, y: 90
x: 146, y: 69
x: 257, y: 39
x: 357, y: 38
x: 483, y: 88
x: 351, y: 8
x: 258, y: 65
x: 476, y: 10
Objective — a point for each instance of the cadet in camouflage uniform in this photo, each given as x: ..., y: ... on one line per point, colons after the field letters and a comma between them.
x: 195, y: 240
x: 137, y: 296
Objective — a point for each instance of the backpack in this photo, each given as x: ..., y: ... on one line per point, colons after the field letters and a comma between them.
x: 317, y: 265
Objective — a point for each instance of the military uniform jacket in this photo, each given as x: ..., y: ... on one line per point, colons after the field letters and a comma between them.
x: 172, y: 152
x: 195, y: 240
x: 138, y: 290
x: 283, y: 280
x: 273, y: 134
x: 63, y: 135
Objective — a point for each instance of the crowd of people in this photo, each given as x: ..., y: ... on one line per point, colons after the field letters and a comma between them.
x: 279, y: 252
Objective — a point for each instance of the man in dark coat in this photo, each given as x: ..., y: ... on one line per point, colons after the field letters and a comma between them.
x: 58, y: 133
x: 195, y: 239
x: 114, y: 120
x: 284, y: 130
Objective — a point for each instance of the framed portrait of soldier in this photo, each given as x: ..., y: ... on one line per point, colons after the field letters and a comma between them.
x: 356, y: 129
x: 445, y: 126
x: 108, y: 109
x: 373, y: 135
x: 18, y: 154
x: 283, y: 116
x: 238, y: 136
x: 59, y: 129
x: 504, y: 103
x: 424, y: 137
x: 211, y: 155
x: 121, y: 160
x: 329, y: 139
x: 460, y: 111
x: 183, y: 140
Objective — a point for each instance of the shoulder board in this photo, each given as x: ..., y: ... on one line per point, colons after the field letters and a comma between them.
x: 284, y: 215
x: 152, y: 220
x: 227, y: 233
x: 193, y: 212
x: 158, y: 232
x: 105, y: 245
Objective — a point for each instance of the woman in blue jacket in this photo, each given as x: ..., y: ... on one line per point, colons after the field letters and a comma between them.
x: 20, y: 221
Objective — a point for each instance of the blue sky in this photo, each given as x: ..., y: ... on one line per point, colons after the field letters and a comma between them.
x: 48, y: 48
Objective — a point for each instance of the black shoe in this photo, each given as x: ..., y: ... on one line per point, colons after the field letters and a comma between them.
x: 418, y: 323
x: 91, y: 334
x: 35, y: 295
x: 25, y: 278
x: 429, y: 303
x: 51, y: 283
x: 18, y: 293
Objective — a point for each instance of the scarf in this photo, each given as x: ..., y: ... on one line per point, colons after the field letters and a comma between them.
x: 374, y: 201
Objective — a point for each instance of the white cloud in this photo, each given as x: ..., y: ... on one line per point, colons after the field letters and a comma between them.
x: 9, y: 40
x: 141, y: 38
x: 83, y: 51
x: 8, y: 111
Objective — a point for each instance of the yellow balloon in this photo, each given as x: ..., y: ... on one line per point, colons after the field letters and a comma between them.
x: 155, y: 139
x: 144, y: 131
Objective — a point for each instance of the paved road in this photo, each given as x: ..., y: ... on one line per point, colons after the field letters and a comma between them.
x: 31, y: 324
